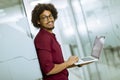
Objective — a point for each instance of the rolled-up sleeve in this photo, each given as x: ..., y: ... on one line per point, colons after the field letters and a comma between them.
x: 44, y: 53
x: 45, y: 60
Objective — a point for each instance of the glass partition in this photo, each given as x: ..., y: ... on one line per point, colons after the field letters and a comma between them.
x: 99, y: 17
x: 78, y: 25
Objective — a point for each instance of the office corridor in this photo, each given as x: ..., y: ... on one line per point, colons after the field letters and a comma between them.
x: 78, y: 23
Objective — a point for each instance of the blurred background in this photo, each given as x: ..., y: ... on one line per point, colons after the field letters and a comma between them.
x: 78, y: 23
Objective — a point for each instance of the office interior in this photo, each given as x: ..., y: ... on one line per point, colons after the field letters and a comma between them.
x: 78, y: 23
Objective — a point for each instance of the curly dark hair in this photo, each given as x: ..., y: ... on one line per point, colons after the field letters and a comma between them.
x: 38, y: 9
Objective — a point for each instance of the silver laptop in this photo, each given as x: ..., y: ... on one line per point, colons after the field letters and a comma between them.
x: 96, y: 51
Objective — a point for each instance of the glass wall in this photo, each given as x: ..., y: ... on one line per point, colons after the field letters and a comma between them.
x: 79, y: 23
x: 18, y: 60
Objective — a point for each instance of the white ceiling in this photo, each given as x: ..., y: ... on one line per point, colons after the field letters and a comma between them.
x: 8, y: 3
x: 9, y: 8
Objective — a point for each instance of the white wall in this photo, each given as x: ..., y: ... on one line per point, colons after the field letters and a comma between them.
x: 18, y: 60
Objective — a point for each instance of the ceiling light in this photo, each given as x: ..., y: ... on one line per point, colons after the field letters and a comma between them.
x: 33, y: 3
x: 1, y: 10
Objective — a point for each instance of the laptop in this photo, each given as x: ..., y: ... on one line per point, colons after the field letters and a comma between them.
x: 96, y: 51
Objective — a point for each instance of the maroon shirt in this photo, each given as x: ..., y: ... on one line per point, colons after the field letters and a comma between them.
x: 49, y: 53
